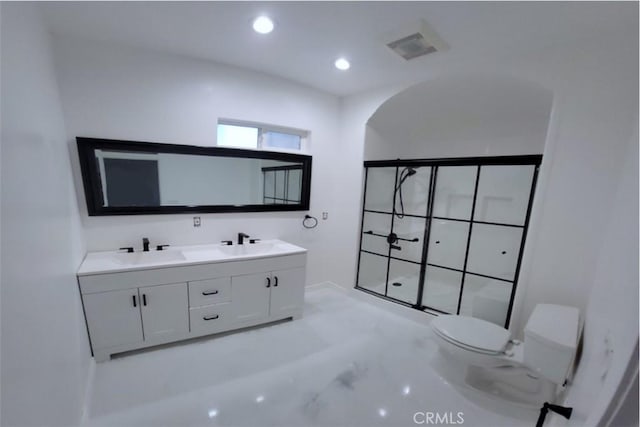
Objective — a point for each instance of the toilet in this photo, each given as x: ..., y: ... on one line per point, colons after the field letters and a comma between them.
x: 546, y: 356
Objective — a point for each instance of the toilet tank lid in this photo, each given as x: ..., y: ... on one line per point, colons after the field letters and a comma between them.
x: 556, y: 325
x: 472, y: 332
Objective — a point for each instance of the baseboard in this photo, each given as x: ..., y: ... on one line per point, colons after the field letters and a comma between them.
x: 327, y: 284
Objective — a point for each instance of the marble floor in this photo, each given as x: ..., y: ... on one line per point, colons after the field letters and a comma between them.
x: 347, y: 362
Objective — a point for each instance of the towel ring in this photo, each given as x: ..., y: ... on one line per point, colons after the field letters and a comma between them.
x: 307, y: 218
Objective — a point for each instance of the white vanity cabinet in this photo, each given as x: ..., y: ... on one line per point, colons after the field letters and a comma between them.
x: 128, y: 310
x: 113, y: 318
x: 164, y: 312
x: 277, y: 294
x: 151, y: 314
x: 286, y: 298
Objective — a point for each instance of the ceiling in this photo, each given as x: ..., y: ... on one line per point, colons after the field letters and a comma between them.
x: 309, y: 36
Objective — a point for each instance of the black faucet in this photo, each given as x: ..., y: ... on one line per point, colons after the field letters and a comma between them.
x: 145, y: 244
x: 241, y: 236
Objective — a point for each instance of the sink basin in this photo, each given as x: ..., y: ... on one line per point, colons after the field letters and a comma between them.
x: 247, y: 249
x: 151, y: 257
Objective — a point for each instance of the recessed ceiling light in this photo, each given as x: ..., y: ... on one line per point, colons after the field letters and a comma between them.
x: 342, y: 64
x: 263, y: 25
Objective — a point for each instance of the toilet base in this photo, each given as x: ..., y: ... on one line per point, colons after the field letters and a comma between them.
x: 517, y: 385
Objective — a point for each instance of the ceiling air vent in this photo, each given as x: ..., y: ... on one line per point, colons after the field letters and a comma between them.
x: 415, y: 41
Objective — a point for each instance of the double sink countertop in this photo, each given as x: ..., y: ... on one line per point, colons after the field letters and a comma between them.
x: 116, y: 261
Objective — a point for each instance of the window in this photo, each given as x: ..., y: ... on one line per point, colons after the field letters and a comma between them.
x: 271, y: 139
x: 237, y: 136
x: 258, y: 136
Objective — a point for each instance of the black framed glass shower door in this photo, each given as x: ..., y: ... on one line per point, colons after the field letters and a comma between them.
x: 391, y: 249
x: 447, y: 235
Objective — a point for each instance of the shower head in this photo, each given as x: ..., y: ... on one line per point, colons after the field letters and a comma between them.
x: 406, y: 173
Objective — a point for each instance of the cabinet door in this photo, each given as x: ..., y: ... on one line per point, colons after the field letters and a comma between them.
x: 165, y: 311
x: 287, y: 291
x: 113, y: 318
x: 250, y: 297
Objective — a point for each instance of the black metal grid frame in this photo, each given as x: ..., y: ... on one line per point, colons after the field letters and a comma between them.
x: 275, y: 169
x: 534, y: 160
x: 92, y: 186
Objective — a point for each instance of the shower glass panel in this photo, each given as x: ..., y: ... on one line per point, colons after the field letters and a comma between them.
x: 441, y: 289
x: 410, y: 232
x: 503, y: 194
x: 394, y: 221
x: 280, y: 187
x: 404, y: 278
x: 380, y: 189
x: 447, y: 235
x: 294, y: 186
x: 454, y: 192
x: 448, y: 243
x: 415, y: 191
x: 494, y: 250
x: 375, y: 228
x: 373, y: 272
x: 486, y: 298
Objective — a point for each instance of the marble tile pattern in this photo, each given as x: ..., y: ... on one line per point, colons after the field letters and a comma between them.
x: 345, y: 363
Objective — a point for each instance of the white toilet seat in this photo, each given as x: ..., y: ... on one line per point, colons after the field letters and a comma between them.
x: 472, y: 334
x: 467, y: 347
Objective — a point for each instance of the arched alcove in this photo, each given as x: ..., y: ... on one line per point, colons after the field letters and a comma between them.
x: 461, y: 116
x: 465, y: 151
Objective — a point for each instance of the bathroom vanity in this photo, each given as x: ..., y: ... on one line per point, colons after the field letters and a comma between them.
x: 142, y: 299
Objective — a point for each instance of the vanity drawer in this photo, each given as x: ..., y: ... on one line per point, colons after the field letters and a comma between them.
x: 210, y: 318
x: 210, y: 291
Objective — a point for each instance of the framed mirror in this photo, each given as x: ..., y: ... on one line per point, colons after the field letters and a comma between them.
x: 141, y: 178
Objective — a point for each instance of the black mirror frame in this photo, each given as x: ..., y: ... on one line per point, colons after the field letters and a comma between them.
x: 91, y: 178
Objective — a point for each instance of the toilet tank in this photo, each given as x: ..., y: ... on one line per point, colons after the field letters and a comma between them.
x: 550, y: 340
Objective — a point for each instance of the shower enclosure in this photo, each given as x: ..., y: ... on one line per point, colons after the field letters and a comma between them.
x: 446, y: 235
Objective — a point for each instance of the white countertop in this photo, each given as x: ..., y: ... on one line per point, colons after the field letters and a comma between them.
x: 118, y: 261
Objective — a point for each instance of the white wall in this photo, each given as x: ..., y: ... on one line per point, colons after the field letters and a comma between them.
x: 45, y: 351
x: 461, y: 116
x: 125, y: 93
x: 611, y: 318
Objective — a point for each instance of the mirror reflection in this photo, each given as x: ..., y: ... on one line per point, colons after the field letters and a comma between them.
x: 164, y: 179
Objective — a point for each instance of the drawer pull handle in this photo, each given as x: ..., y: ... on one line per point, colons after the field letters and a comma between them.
x: 268, y: 282
x: 214, y: 317
x: 135, y: 304
x: 205, y: 293
x: 144, y: 299
x: 276, y: 280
